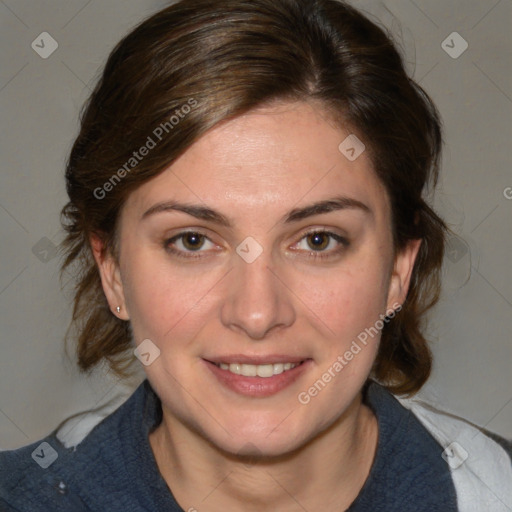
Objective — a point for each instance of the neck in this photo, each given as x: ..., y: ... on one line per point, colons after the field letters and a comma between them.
x: 325, y: 474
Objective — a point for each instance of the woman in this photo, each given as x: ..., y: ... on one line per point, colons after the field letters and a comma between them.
x: 247, y: 215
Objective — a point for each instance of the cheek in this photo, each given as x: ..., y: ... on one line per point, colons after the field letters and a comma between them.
x: 350, y: 298
x: 165, y: 303
x: 349, y: 304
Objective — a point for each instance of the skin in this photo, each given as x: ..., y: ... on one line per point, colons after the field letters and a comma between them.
x: 217, y: 449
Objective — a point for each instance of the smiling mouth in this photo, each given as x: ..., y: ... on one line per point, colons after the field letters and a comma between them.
x: 257, y: 370
x: 272, y: 375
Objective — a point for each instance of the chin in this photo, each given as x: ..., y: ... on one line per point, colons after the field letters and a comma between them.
x: 261, y: 447
x: 271, y: 438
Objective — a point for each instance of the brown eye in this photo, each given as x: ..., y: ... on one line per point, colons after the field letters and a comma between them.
x: 320, y: 245
x: 189, y: 244
x: 318, y: 241
x: 193, y: 241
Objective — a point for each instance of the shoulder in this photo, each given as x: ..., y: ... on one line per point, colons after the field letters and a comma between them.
x: 27, y: 479
x: 39, y: 476
x: 407, y: 463
x: 480, y: 462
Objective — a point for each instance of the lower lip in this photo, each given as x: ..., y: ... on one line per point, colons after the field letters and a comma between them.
x: 259, y: 387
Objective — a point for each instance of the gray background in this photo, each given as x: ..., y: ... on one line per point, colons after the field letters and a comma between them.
x: 40, y: 101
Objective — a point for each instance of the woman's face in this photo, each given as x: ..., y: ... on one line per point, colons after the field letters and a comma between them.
x: 251, y: 288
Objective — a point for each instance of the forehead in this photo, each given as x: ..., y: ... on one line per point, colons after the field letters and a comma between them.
x: 268, y: 160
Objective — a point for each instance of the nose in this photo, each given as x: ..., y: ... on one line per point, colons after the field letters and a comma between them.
x: 258, y: 299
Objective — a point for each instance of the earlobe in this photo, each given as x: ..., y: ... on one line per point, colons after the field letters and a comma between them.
x: 402, y: 272
x: 110, y: 277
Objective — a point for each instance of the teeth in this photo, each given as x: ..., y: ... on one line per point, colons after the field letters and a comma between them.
x: 260, y: 370
x: 278, y: 368
x: 248, y: 370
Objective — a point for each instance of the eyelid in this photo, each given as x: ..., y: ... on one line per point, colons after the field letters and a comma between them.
x: 185, y: 232
x: 324, y: 230
x: 342, y: 241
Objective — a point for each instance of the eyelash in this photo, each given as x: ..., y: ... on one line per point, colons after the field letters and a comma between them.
x: 344, y: 244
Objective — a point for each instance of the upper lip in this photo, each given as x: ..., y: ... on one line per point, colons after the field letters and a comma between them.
x: 256, y: 360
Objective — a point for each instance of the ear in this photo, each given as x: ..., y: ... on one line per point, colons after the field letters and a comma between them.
x: 110, y: 277
x: 401, y: 275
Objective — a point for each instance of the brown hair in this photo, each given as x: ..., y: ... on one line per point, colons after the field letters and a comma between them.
x: 197, y: 63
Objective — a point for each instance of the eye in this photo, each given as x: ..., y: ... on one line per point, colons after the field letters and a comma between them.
x: 319, y: 244
x: 186, y: 243
x: 322, y: 244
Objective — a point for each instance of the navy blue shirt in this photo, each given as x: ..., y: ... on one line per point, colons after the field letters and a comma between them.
x: 113, y: 469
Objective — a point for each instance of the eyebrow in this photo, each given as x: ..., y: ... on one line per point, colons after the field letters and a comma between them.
x: 295, y: 215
